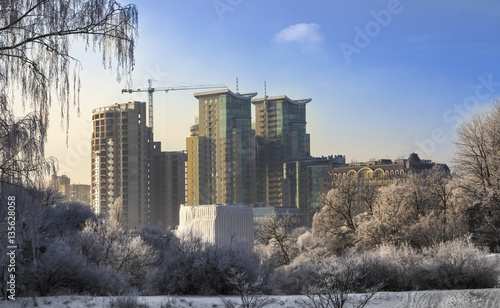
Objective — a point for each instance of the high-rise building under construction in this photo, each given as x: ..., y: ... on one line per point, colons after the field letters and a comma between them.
x: 128, y: 166
x: 120, y: 162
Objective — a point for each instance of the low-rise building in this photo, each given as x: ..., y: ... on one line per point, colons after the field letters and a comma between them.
x: 220, y: 225
x: 73, y: 192
x: 379, y: 172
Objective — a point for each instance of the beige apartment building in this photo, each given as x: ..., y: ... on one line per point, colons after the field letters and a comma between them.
x: 73, y: 192
x: 120, y: 161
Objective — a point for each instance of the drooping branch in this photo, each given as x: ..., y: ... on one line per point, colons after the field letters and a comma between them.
x: 35, y: 39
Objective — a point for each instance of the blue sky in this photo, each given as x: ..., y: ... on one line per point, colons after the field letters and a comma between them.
x: 386, y: 78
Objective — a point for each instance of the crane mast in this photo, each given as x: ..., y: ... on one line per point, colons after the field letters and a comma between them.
x: 151, y: 90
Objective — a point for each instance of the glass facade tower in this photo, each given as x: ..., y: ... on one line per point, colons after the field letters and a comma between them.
x: 220, y: 167
x: 281, y: 136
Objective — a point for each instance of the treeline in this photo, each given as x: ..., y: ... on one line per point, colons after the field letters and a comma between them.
x: 417, y: 234
x: 434, y: 230
x: 64, y: 248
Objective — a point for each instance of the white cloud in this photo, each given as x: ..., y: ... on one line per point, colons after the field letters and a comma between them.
x: 307, y: 34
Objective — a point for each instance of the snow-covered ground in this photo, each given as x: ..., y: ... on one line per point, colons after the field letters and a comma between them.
x: 485, y: 298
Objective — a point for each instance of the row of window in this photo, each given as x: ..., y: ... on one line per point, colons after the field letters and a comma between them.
x: 369, y: 174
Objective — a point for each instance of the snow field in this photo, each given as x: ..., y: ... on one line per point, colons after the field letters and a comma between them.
x: 483, y: 298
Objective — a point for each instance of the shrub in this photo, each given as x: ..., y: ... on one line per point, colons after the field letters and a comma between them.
x: 195, y: 268
x: 338, y: 278
x: 126, y: 302
x: 61, y: 270
x: 105, y: 244
x: 457, y: 264
x: 292, y: 278
x: 391, y: 267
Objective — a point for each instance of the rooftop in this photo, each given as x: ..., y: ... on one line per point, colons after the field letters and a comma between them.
x: 225, y: 91
x: 117, y: 106
x: 282, y: 97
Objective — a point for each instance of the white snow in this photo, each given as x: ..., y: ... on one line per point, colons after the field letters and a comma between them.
x: 484, y: 298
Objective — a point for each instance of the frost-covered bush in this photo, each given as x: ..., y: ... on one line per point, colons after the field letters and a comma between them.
x: 337, y: 278
x: 249, y: 292
x: 457, y: 264
x: 391, y: 267
x: 126, y: 302
x: 291, y: 278
x: 484, y: 219
x: 106, y: 244
x: 160, y: 242
x: 62, y: 270
x: 70, y: 217
x: 40, y: 224
x: 196, y: 268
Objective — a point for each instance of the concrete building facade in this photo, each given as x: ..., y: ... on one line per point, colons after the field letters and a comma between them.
x: 280, y: 129
x: 220, y: 166
x: 303, y: 183
x: 120, y: 161
x: 167, y: 187
x: 73, y: 192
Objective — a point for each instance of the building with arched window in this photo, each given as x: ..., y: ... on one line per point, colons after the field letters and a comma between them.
x: 379, y: 172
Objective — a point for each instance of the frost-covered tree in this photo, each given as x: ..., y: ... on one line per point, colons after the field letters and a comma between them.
x: 22, y: 158
x: 116, y: 211
x: 248, y: 292
x: 342, y: 201
x: 478, y: 150
x: 425, y: 209
x: 277, y: 231
x: 390, y: 218
x: 478, y: 160
x: 367, y: 194
x: 106, y: 244
x: 36, y: 37
x: 336, y: 223
x: 484, y: 220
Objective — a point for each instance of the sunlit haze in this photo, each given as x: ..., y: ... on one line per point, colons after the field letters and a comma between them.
x: 386, y: 77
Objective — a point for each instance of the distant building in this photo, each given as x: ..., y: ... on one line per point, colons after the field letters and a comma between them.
x: 120, y: 161
x: 303, y: 183
x: 379, y: 172
x: 220, y: 166
x: 62, y: 181
x: 73, y: 192
x: 167, y: 187
x: 280, y: 130
x: 261, y: 212
x: 221, y: 225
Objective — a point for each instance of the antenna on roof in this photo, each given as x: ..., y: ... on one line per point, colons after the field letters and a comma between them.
x: 237, y: 87
x: 265, y: 90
